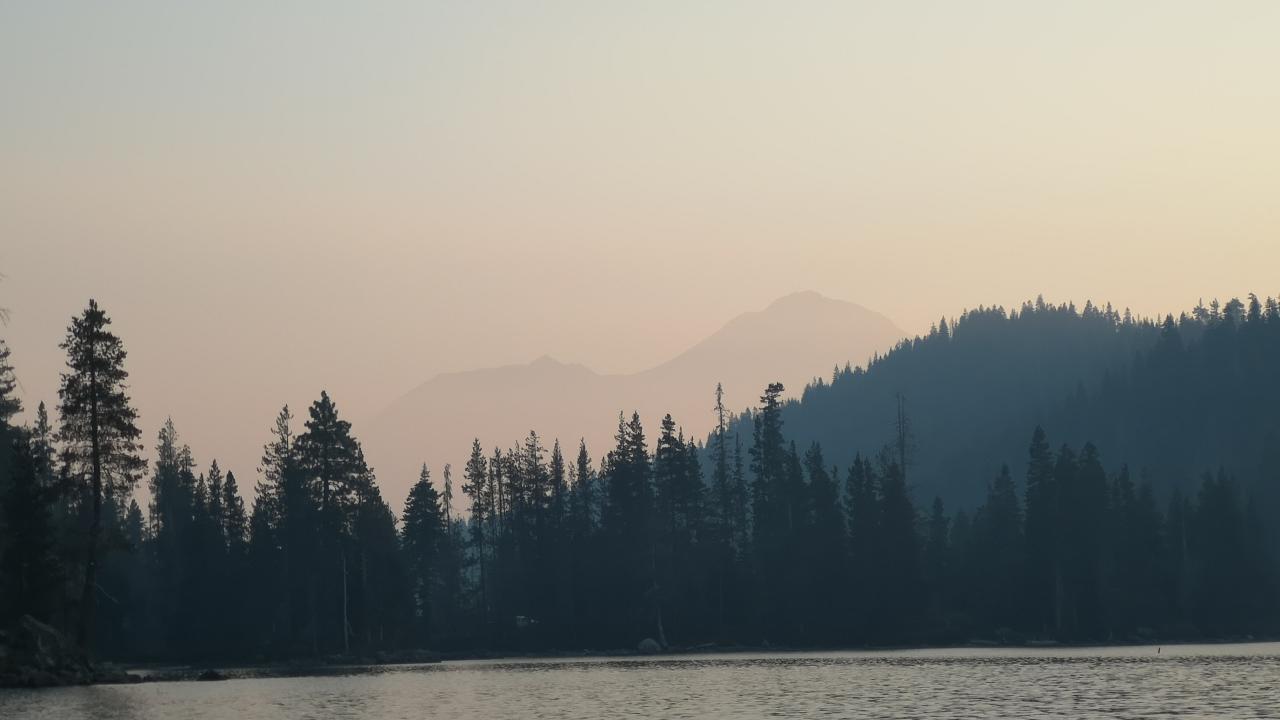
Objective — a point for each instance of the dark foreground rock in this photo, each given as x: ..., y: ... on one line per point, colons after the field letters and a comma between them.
x: 33, y: 654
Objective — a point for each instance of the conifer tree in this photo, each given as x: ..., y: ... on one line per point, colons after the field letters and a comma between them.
x: 897, y: 551
x: 1044, y: 567
x: 42, y: 450
x: 422, y: 534
x: 214, y: 503
x: 446, y: 497
x: 475, y: 484
x: 100, y: 435
x: 559, y: 488
x: 583, y: 500
x: 773, y: 513
x: 234, y: 521
x: 627, y: 530
x: 721, y: 488
x: 10, y: 405
x: 937, y: 558
x: 741, y: 499
x: 825, y: 543
x: 286, y: 535
x: 668, y: 467
x: 331, y: 465
x: 998, y: 561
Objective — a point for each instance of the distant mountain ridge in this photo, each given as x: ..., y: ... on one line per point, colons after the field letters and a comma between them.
x: 796, y: 338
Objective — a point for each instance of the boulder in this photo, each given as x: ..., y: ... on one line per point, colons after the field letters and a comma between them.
x: 649, y: 646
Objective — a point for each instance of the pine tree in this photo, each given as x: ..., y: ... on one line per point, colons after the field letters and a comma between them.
x: 583, y: 502
x: 135, y: 526
x: 331, y: 465
x: 286, y: 536
x: 559, y: 561
x: 768, y: 465
x: 584, y: 553
x: 10, y: 405
x: 668, y: 468
x: 626, y: 529
x: 446, y: 498
x: 740, y: 502
x: 332, y: 462
x: 559, y: 489
x: 998, y: 562
x: 862, y: 508
x: 1083, y: 491
x: 234, y: 522
x: 1044, y: 566
x: 475, y: 484
x: 214, y: 503
x: 897, y: 551
x: 721, y: 487
x: 422, y: 535
x: 42, y: 450
x: 825, y: 546
x: 773, y: 521
x: 100, y: 434
x: 268, y: 607
x: 937, y: 559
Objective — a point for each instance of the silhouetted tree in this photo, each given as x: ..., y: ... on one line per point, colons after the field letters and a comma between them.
x: 99, y: 434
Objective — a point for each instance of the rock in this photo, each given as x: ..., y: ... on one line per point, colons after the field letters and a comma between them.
x: 211, y: 674
x: 649, y: 646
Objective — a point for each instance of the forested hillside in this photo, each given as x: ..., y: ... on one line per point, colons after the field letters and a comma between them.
x: 1171, y: 397
x: 1048, y: 475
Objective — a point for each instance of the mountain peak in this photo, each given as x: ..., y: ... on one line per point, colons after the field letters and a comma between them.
x: 801, y: 297
x: 803, y: 301
x: 796, y: 338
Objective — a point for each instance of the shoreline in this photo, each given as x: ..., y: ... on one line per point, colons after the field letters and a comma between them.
x: 370, y: 665
x: 108, y: 673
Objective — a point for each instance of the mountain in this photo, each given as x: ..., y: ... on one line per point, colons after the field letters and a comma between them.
x: 797, y: 338
x: 793, y: 340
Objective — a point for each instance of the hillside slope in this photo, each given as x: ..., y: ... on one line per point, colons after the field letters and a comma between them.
x: 1171, y: 400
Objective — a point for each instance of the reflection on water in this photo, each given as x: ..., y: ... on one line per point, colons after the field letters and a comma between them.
x: 1220, y: 681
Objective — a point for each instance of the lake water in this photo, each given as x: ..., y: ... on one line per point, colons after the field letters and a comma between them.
x: 1195, y: 681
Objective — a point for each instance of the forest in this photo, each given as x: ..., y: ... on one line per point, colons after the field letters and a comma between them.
x: 1046, y: 474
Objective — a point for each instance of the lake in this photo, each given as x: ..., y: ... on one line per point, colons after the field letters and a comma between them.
x: 1201, y: 681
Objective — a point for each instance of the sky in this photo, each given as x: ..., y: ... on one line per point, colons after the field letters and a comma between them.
x: 271, y: 199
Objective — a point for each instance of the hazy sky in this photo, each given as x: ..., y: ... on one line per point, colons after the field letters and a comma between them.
x: 274, y: 198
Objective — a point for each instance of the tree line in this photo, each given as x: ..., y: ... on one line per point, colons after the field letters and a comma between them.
x: 1171, y: 395
x: 744, y: 537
